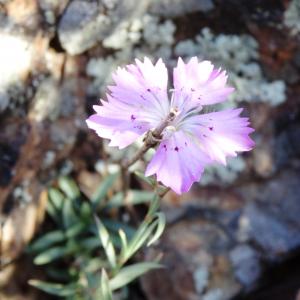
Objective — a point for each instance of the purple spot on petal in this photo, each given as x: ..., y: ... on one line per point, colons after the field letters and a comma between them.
x: 185, y: 143
x: 148, y: 90
x: 210, y: 128
x: 133, y: 117
x: 165, y: 147
x: 204, y: 135
x: 176, y: 149
x: 193, y: 90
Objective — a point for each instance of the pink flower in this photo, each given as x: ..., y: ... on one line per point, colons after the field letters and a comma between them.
x: 139, y: 102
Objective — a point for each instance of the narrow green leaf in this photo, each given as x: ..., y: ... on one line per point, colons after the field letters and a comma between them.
x: 53, y: 212
x: 130, y: 273
x: 161, y: 224
x: 94, y: 264
x: 86, y: 211
x: 115, y: 226
x: 50, y: 255
x: 54, y: 288
x: 69, y: 215
x: 56, y: 197
x: 135, y: 197
x: 104, y: 293
x: 103, y: 189
x: 124, y: 242
x: 139, y: 239
x: 75, y: 230
x: 90, y: 243
x: 69, y: 187
x: 106, y: 243
x: 149, y: 180
x: 47, y: 240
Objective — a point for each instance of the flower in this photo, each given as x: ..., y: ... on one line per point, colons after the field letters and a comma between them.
x: 140, y: 101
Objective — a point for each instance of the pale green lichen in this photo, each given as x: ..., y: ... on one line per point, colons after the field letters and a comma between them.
x: 292, y: 17
x: 138, y: 38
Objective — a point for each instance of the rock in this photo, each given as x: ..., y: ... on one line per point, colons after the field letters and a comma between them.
x: 287, y: 145
x: 46, y: 103
x: 85, y: 23
x: 263, y: 157
x: 245, y: 261
x: 24, y: 13
x: 274, y: 217
x: 51, y: 9
x: 195, y: 256
x: 201, y: 276
x: 21, y: 224
x: 13, y: 75
x: 174, y: 8
x: 215, y: 294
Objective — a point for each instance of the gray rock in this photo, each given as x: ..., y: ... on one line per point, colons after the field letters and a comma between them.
x: 201, y: 278
x: 274, y: 218
x: 173, y: 8
x: 46, y: 103
x: 245, y: 261
x: 85, y: 23
x: 197, y: 266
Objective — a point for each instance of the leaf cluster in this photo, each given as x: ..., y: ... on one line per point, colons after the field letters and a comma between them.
x: 87, y: 253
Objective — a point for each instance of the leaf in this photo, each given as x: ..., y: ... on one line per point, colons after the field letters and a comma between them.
x: 104, y: 291
x: 143, y: 233
x: 69, y: 187
x: 94, y: 264
x: 106, y: 243
x: 86, y: 211
x: 124, y: 242
x: 161, y: 224
x: 149, y: 180
x: 135, y: 197
x: 91, y: 243
x: 113, y: 225
x: 128, y: 274
x: 103, y: 189
x: 153, y: 227
x: 56, y: 197
x: 69, y: 215
x: 75, y: 230
x: 50, y: 255
x: 53, y: 212
x: 55, y: 288
x: 47, y: 240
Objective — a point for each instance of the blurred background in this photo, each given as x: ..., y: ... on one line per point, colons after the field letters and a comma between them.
x: 236, y: 234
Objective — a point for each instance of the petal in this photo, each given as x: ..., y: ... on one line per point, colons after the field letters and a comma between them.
x: 178, y: 162
x: 143, y: 84
x: 121, y: 133
x: 221, y: 133
x: 137, y: 103
x: 200, y: 82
